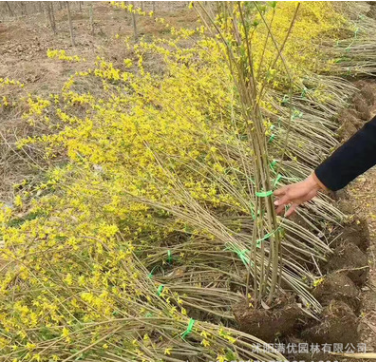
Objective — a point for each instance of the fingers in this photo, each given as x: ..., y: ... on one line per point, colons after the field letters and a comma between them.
x: 291, y: 210
x: 284, y: 200
x: 280, y: 209
x: 281, y: 191
x: 294, y: 195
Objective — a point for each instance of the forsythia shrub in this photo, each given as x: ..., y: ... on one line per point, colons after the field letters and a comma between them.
x: 127, y: 140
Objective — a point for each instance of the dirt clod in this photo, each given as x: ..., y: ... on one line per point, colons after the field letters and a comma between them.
x: 350, y: 259
x: 362, y: 107
x: 367, y: 93
x: 339, y: 287
x: 268, y: 324
x: 356, y: 233
x: 349, y: 125
x: 338, y: 325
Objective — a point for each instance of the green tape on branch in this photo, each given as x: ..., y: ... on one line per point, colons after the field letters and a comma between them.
x: 259, y: 241
x: 152, y: 272
x: 276, y: 181
x: 169, y: 256
x: 285, y: 99
x: 272, y: 164
x: 160, y: 290
x: 264, y: 193
x: 253, y: 214
x: 356, y: 32
x: 242, y: 256
x: 267, y: 236
x: 271, y: 138
x: 252, y: 208
x: 297, y: 114
x: 189, y: 328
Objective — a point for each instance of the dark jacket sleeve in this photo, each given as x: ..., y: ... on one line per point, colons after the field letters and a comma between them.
x: 350, y: 160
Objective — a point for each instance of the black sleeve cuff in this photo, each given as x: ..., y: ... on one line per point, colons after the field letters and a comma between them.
x: 350, y: 160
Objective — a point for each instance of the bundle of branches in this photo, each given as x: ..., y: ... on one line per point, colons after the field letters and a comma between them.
x: 354, y: 53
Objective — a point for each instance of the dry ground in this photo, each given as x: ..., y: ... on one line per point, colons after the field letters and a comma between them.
x: 23, y: 46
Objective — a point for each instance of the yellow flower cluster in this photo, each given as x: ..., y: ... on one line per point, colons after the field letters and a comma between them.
x: 7, y: 98
x: 8, y: 81
x: 130, y: 8
x: 62, y: 55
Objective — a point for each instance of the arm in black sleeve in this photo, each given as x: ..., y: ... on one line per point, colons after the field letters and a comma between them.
x: 350, y: 160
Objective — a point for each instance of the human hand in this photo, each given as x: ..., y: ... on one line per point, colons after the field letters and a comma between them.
x: 296, y: 194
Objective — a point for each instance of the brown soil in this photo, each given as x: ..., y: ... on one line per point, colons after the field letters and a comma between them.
x: 348, y: 126
x: 338, y: 324
x: 362, y: 107
x: 363, y: 205
x: 337, y: 286
x: 372, y: 12
x: 269, y: 324
x: 353, y: 118
x: 366, y: 90
x: 350, y: 259
x: 355, y: 232
x: 349, y: 266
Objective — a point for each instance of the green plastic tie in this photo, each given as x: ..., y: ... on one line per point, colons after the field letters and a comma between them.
x: 273, y: 135
x: 266, y: 236
x: 253, y: 214
x: 259, y: 241
x: 296, y: 114
x: 251, y: 207
x: 264, y: 193
x: 160, y: 290
x: 242, y: 256
x: 152, y: 272
x: 276, y: 181
x: 189, y: 328
x: 272, y: 164
x: 285, y: 99
x: 356, y: 32
x: 169, y: 256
